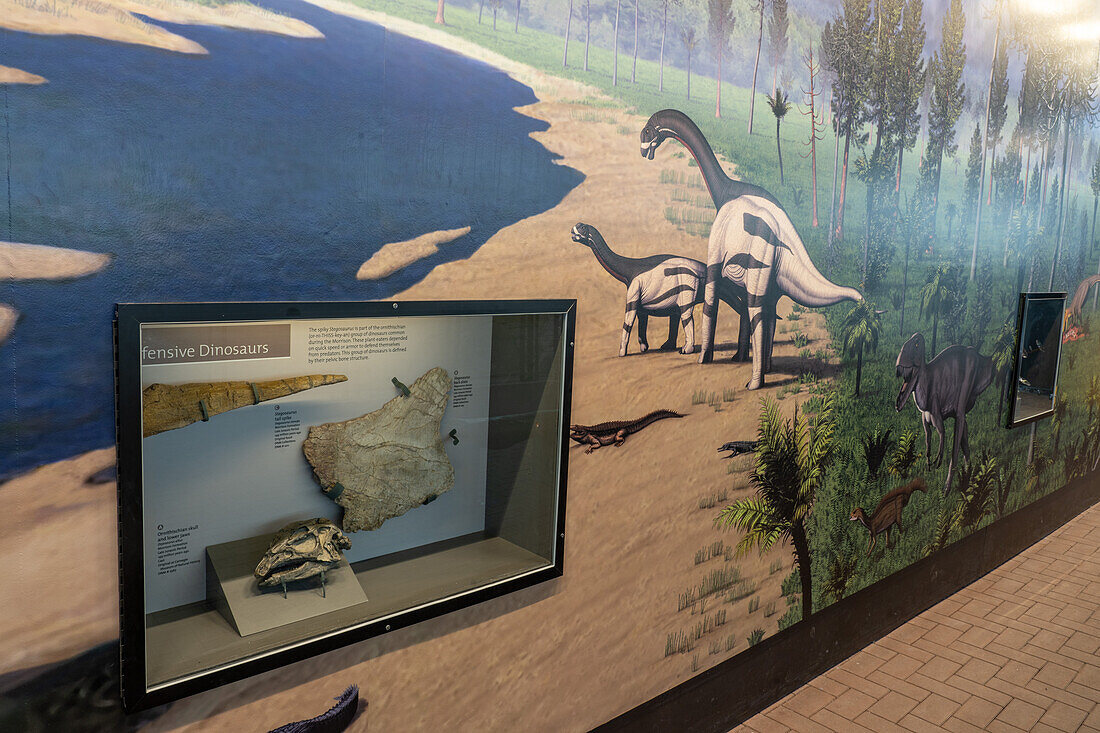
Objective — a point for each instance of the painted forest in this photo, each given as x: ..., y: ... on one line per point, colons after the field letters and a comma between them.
x: 940, y: 156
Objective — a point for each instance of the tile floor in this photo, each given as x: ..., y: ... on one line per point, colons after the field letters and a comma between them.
x: 1017, y: 650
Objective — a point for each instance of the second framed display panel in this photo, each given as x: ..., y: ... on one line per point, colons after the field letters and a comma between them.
x: 298, y: 476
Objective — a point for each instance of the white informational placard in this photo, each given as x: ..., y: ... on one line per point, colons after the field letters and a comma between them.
x: 243, y: 473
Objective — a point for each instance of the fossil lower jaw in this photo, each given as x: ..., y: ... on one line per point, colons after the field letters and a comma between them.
x: 293, y: 570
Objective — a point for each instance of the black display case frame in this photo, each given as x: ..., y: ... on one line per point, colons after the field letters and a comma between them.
x: 1014, y: 373
x: 130, y: 317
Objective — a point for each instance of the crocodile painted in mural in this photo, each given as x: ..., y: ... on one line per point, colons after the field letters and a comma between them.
x: 608, y: 433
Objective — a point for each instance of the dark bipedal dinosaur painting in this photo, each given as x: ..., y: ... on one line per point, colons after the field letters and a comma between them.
x: 887, y: 513
x: 659, y: 285
x: 946, y: 387
x: 614, y: 433
x: 753, y: 246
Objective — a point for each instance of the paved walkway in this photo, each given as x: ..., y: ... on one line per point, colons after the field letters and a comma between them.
x: 1016, y: 650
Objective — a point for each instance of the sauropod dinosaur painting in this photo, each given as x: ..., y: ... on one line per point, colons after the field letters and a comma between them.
x: 659, y: 285
x: 947, y: 386
x: 753, y: 245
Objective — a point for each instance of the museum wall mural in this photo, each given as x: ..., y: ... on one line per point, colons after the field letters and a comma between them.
x: 796, y: 230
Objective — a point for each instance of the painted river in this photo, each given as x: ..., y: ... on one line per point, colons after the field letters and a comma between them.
x: 268, y: 170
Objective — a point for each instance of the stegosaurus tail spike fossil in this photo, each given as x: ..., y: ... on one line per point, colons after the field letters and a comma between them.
x: 170, y: 406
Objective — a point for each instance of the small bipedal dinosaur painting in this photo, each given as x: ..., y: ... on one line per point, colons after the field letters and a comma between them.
x: 888, y: 512
x: 614, y: 433
x: 947, y: 386
x: 659, y: 285
x: 753, y: 246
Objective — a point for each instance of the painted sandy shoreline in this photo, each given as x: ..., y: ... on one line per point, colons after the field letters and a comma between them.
x: 9, y: 75
x: 41, y: 262
x: 115, y: 20
x: 633, y: 520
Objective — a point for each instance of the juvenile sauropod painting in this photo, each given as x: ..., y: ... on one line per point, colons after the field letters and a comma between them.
x: 797, y: 227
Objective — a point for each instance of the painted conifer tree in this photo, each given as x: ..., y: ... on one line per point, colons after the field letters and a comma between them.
x: 634, y: 68
x: 907, y: 85
x: 687, y: 37
x: 1078, y: 105
x: 994, y: 120
x: 568, y: 25
x: 1094, y: 184
x: 881, y: 76
x: 759, y: 9
x: 778, y: 24
x: 587, y: 30
x: 998, y: 109
x: 720, y: 21
x: 815, y: 127
x: 974, y: 170
x: 948, y: 93
x: 850, y: 46
x: 615, y: 52
x: 664, y: 35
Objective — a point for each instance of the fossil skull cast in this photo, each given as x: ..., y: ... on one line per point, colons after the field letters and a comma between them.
x: 301, y: 550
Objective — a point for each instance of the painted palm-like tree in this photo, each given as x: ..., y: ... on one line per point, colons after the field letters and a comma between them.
x: 687, y: 37
x: 779, y: 106
x: 439, y: 13
x: 935, y: 297
x: 791, y: 457
x: 861, y: 329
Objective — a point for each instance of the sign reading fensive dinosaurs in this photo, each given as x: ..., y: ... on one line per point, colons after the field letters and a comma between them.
x: 194, y: 344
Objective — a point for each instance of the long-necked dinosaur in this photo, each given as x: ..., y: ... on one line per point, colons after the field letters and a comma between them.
x: 659, y: 285
x: 753, y: 244
x: 947, y: 386
x: 608, y: 433
x: 888, y: 512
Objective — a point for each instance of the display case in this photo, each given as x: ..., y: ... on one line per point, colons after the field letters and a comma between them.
x: 294, y: 477
x: 1040, y: 320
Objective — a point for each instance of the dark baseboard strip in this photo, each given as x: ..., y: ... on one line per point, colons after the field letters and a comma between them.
x: 733, y: 691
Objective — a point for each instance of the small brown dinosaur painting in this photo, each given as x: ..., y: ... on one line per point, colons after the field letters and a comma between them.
x: 608, y: 433
x: 888, y: 512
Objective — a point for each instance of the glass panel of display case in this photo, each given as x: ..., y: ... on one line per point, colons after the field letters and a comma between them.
x: 1038, y: 350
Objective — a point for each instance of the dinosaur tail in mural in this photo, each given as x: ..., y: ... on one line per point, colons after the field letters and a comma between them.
x: 803, y: 283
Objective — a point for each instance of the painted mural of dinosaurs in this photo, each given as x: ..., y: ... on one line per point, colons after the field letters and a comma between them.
x: 608, y: 433
x: 753, y: 245
x: 1075, y: 328
x: 888, y: 512
x: 658, y: 285
x: 947, y: 386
